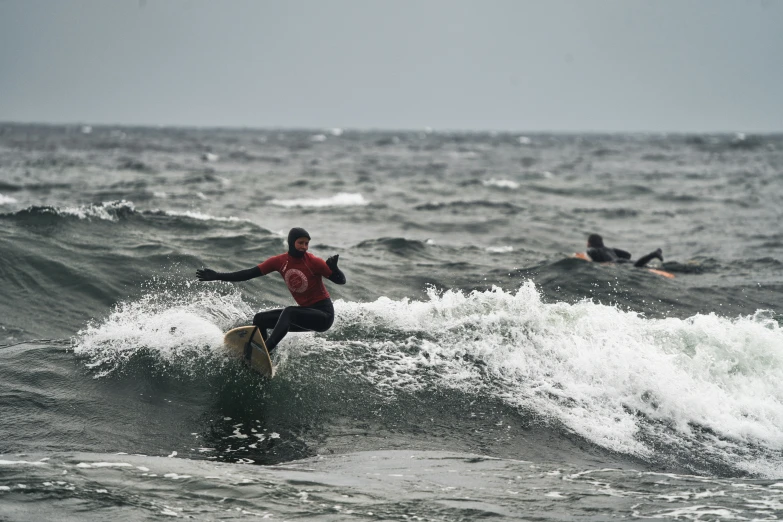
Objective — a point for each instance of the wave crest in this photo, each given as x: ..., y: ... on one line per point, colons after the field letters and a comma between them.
x: 623, y: 381
x: 107, y: 211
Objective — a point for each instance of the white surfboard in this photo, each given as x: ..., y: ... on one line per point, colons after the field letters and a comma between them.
x: 236, y: 342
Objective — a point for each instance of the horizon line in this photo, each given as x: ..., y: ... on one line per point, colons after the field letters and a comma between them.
x: 332, y: 129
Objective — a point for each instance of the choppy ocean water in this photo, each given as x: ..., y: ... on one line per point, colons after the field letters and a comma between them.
x: 475, y: 369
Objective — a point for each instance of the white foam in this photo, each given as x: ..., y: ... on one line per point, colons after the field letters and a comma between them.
x: 500, y: 183
x: 177, y: 476
x: 505, y: 249
x: 21, y: 463
x: 104, y: 465
x: 593, y: 368
x: 342, y: 199
x: 175, y: 325
x: 6, y: 200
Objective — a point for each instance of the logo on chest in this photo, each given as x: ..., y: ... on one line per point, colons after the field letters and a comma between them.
x: 296, y: 280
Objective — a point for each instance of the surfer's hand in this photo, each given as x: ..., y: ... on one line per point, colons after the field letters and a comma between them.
x: 337, y: 274
x: 206, y: 274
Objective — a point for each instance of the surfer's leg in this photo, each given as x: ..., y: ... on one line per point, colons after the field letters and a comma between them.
x: 311, y: 320
x: 298, y: 319
x: 267, y: 320
x: 646, y: 259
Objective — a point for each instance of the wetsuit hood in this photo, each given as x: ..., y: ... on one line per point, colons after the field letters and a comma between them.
x: 595, y: 241
x: 293, y: 235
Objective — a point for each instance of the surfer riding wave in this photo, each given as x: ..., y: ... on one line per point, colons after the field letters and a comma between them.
x: 303, y: 273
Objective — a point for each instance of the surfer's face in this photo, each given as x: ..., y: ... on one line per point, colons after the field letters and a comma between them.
x: 302, y: 244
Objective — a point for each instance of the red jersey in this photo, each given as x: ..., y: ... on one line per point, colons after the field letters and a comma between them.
x: 303, y: 275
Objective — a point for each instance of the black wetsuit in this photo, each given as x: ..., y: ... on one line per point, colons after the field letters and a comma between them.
x: 315, y: 312
x: 606, y: 254
x: 318, y: 317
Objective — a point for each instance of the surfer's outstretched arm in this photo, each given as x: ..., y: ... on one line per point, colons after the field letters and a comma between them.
x: 646, y: 259
x: 207, y: 274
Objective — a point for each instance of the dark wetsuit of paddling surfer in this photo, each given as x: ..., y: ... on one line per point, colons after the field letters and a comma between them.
x: 303, y: 273
x: 603, y: 254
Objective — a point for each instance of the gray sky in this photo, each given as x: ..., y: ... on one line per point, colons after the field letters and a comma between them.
x: 518, y: 65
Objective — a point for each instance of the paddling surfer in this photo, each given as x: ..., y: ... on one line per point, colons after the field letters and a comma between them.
x: 597, y: 251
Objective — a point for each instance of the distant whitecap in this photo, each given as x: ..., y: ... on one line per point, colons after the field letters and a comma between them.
x: 501, y: 183
x: 500, y: 249
x: 318, y: 138
x: 6, y: 200
x: 21, y: 463
x: 104, y: 465
x: 343, y: 199
x: 199, y: 215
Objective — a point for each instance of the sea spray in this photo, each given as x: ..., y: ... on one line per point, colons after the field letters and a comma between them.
x: 621, y: 380
x: 175, y: 325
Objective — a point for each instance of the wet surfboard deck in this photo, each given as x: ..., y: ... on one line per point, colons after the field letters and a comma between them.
x: 236, y: 341
x: 663, y: 273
